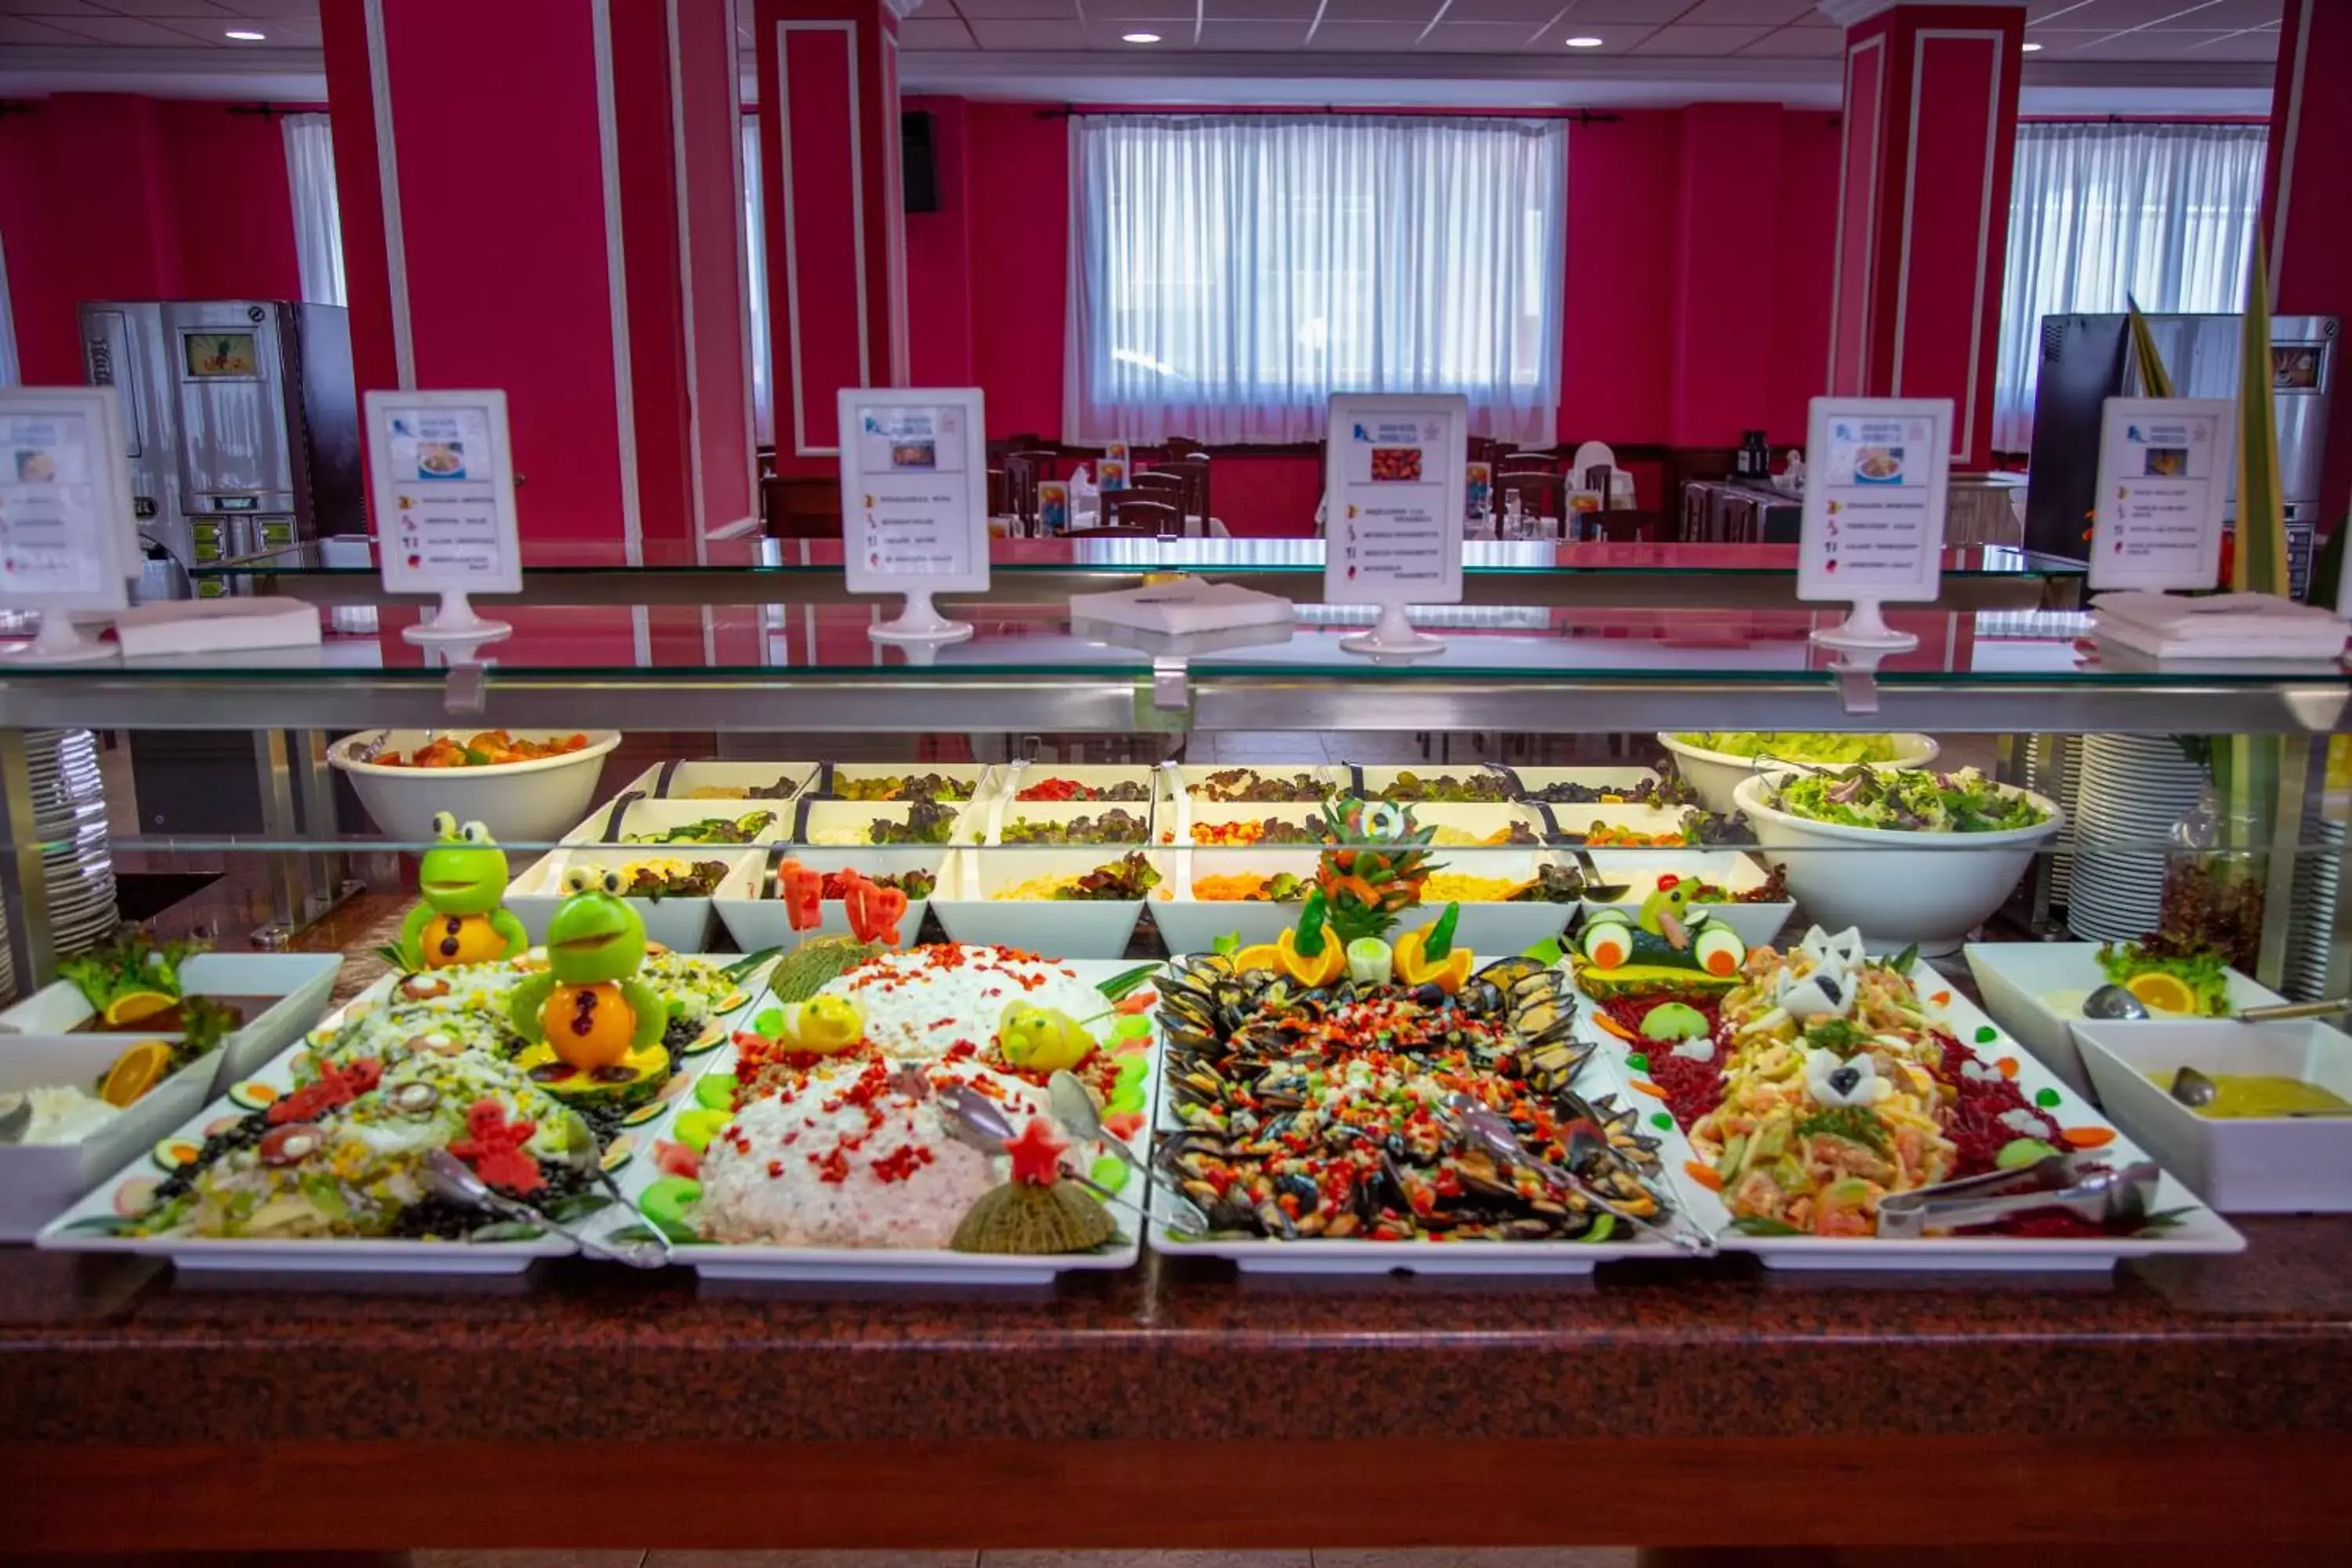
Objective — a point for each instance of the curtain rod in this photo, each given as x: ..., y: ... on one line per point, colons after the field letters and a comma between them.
x: 1580, y: 117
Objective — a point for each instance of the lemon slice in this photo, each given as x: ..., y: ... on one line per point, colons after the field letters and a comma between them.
x: 2162, y: 992
x: 134, y: 1072
x: 133, y: 1005
x: 1368, y: 960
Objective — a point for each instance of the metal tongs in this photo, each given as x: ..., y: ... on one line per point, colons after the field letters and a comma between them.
x: 2105, y: 1195
x: 1484, y: 1128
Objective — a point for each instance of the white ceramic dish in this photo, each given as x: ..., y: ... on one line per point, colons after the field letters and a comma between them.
x: 2243, y: 1164
x: 1640, y: 869
x: 982, y: 779
x: 677, y: 780
x: 829, y: 825
x: 757, y: 920
x: 1601, y: 1076
x: 1087, y: 929
x: 522, y: 804
x: 36, y: 1179
x: 1529, y: 782
x: 1190, y: 924
x: 1187, y: 780
x: 1931, y: 888
x: 2035, y: 991
x: 1373, y: 782
x: 301, y: 982
x: 1181, y: 819
x: 886, y: 1267
x: 1017, y: 777
x: 1716, y: 776
x: 1574, y: 823
x: 681, y: 924
x: 2200, y: 1231
x: 71, y: 1232
x: 1004, y: 812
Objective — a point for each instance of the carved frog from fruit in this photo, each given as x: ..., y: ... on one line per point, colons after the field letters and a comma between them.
x: 463, y: 918
x: 596, y: 1029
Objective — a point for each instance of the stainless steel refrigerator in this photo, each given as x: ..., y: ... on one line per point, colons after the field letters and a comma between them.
x: 2085, y: 359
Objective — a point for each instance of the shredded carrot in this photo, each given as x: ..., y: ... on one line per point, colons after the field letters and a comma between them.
x: 1616, y: 1028
x: 2089, y: 1137
x: 1704, y: 1175
x: 1644, y: 1086
x: 2006, y: 1066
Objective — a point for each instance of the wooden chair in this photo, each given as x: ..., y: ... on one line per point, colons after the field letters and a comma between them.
x: 1194, y: 471
x: 1022, y: 473
x: 1483, y: 449
x: 1630, y: 527
x: 1541, y: 494
x: 1137, y: 532
x: 802, y: 507
x: 1184, y: 447
x: 1165, y: 483
x: 1527, y: 462
x: 1000, y: 492
x: 1141, y: 510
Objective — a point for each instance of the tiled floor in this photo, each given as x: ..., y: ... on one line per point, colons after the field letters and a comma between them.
x: 1430, y: 1557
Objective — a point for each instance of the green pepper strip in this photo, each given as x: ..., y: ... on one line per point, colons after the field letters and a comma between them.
x: 1441, y: 935
x: 1309, y: 939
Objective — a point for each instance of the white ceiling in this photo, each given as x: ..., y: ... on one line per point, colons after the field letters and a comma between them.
x: 2126, y: 56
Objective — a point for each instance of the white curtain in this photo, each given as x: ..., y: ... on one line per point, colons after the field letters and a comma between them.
x: 1229, y: 273
x: 317, y: 224
x: 10, y: 373
x: 755, y: 257
x: 2163, y: 214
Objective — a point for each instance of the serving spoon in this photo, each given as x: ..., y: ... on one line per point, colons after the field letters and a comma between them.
x: 1076, y: 1110
x: 2114, y: 1004
x: 2112, y: 1196
x: 15, y: 1117
x: 451, y: 1178
x: 975, y: 1119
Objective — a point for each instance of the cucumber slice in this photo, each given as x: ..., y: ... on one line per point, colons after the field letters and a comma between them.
x: 716, y: 1090
x: 666, y: 1204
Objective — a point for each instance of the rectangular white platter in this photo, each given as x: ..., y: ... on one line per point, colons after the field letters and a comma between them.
x: 2200, y: 1231
x: 338, y: 1256
x: 677, y: 780
x: 300, y: 984
x: 1601, y: 1076
x: 878, y: 1266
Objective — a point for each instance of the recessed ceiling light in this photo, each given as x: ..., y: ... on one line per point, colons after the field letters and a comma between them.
x: 2031, y: 48
x: 1584, y: 43
x: 246, y: 37
x: 1140, y: 38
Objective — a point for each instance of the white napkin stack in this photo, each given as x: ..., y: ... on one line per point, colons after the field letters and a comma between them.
x: 215, y: 625
x: 2221, y: 625
x: 1193, y: 605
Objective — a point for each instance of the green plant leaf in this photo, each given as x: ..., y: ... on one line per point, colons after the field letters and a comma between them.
x: 1125, y: 983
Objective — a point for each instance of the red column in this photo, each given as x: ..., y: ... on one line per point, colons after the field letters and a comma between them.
x: 2307, y: 201
x: 835, y: 214
x: 1923, y: 216
x: 552, y: 208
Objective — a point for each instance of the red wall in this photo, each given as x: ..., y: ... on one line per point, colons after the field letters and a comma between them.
x: 108, y: 195
x: 1020, y: 237
x: 940, y: 326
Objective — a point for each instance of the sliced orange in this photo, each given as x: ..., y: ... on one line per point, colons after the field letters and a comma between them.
x: 2162, y: 992
x: 134, y: 1072
x: 133, y: 1005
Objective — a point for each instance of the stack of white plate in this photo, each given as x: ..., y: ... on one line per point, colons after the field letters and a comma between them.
x: 69, y: 816
x: 2134, y: 788
x: 2054, y: 767
x: 2317, y: 874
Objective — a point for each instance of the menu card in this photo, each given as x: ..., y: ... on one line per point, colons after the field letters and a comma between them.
x: 443, y: 473
x: 1396, y: 479
x: 1874, y: 519
x: 2164, y: 467
x: 1115, y: 467
x: 914, y: 491
x: 66, y: 537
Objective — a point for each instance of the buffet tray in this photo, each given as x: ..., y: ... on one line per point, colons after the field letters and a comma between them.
x: 876, y: 1266
x: 76, y: 1229
x: 2199, y: 1232
x: 1602, y: 1074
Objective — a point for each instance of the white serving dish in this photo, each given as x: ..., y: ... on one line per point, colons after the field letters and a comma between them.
x: 2200, y: 1231
x: 1004, y: 811
x: 984, y: 779
x: 888, y: 1266
x: 1601, y: 1076
x: 1188, y: 924
x: 677, y: 780
x: 833, y: 824
x: 337, y: 1256
x: 1640, y: 869
x: 682, y: 925
x: 1185, y: 778
x: 1481, y: 820
x: 301, y: 982
x: 36, y: 1179
x: 1716, y: 776
x: 1573, y: 822
x: 1180, y: 819
x: 1074, y: 929
x: 1373, y: 782
x: 522, y: 804
x: 1931, y: 888
x: 1018, y: 776
x: 2241, y: 1164
x: 2017, y: 980
x: 1529, y: 781
x: 756, y: 919
x: 614, y: 822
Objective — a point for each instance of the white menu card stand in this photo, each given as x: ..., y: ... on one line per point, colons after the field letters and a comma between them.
x: 1875, y: 472
x: 2164, y: 467
x: 441, y: 472
x: 914, y: 501
x: 67, y: 542
x: 1396, y: 470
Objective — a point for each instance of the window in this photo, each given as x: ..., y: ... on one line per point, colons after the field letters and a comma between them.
x: 317, y: 222
x: 9, y: 373
x: 1229, y: 273
x: 755, y: 267
x: 2103, y: 214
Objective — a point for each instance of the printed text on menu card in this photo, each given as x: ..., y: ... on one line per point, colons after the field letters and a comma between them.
x: 1877, y: 481
x: 446, y: 479
x: 914, y: 494
x: 49, y: 543
x: 2163, y: 467
x: 1392, y: 526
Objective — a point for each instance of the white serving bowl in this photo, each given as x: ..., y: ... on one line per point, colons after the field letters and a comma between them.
x: 1054, y: 928
x: 2244, y: 1164
x: 39, y: 1179
x: 300, y: 983
x: 682, y: 925
x: 1716, y: 776
x: 520, y: 803
x: 2019, y: 979
x: 1932, y: 888
x: 758, y: 919
x: 1640, y: 869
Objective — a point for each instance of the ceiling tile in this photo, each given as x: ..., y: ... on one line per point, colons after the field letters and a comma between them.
x: 1260, y: 10
x: 1528, y: 14
x: 1139, y: 10
x: 1746, y: 13
x: 1364, y: 38
x: 1017, y: 10
x: 1029, y: 35
x: 269, y: 7
x: 1419, y: 12
x: 2253, y: 44
x: 1799, y: 43
x: 204, y: 10
x: 1698, y: 42
x: 945, y: 32
x: 1583, y: 13
x: 2149, y: 44
x: 285, y: 32
x: 26, y: 31
x: 130, y: 32
x: 1238, y: 37
x: 1175, y: 33
x: 1476, y: 37
x: 47, y: 8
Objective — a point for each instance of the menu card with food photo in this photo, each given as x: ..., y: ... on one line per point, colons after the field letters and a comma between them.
x: 1873, y: 530
x: 2165, y: 465
x: 1396, y: 476
x: 914, y: 512
x: 66, y: 538
x: 443, y: 485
